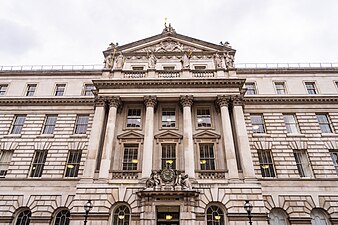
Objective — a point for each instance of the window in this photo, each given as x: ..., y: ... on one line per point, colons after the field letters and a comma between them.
x: 168, y: 156
x: 250, y: 88
x: 207, y: 157
x: 50, y: 122
x: 134, y: 118
x: 266, y: 164
x: 280, y: 88
x: 200, y: 67
x: 324, y: 123
x: 319, y: 217
x: 203, y: 117
x: 24, y: 218
x: 3, y: 89
x: 278, y: 217
x: 121, y: 215
x: 311, y: 88
x: 81, y: 124
x: 62, y: 218
x: 30, y: 89
x: 137, y: 68
x: 215, y: 215
x: 18, y: 123
x: 257, y: 123
x: 168, y: 67
x: 303, y: 164
x: 168, y: 117
x: 336, y: 84
x: 60, y: 89
x: 5, y: 160
x: 291, y: 123
x: 130, y: 159
x: 88, y: 90
x: 73, y: 163
x: 334, y: 157
x: 38, y: 163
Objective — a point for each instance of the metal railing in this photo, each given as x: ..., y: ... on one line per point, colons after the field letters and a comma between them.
x: 51, y: 67
x: 285, y: 65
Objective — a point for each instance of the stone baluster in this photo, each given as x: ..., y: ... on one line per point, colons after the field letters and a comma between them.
x: 189, y: 159
x: 114, y: 103
x: 229, y: 146
x: 242, y: 137
x: 95, y: 137
x: 147, y: 162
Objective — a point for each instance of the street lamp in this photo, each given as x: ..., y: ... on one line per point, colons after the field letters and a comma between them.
x: 248, y: 208
x: 87, y: 207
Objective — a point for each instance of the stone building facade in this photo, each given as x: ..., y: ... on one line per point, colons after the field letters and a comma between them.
x: 170, y: 131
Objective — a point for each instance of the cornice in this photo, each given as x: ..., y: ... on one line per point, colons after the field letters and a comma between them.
x: 52, y: 73
x: 320, y: 99
x: 172, y: 83
x: 46, y: 101
x: 286, y: 70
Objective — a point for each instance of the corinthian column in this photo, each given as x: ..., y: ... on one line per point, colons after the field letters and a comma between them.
x: 114, y: 103
x: 95, y: 137
x: 228, y: 141
x: 147, y: 161
x: 242, y: 138
x: 189, y: 159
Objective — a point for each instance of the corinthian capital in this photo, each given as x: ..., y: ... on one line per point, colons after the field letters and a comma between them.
x: 237, y: 100
x: 223, y: 100
x: 150, y: 101
x: 114, y: 101
x: 100, y: 101
x: 186, y: 100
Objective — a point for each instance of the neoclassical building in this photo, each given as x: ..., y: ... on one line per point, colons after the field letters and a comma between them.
x: 169, y: 131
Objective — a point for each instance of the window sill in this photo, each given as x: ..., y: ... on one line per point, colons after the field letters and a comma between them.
x: 205, y: 128
x: 295, y: 135
x: 168, y: 128
x: 260, y: 135
x: 132, y: 128
x: 329, y: 135
x: 78, y: 135
x: 45, y: 136
x: 12, y: 136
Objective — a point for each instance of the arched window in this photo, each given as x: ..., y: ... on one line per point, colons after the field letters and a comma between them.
x: 62, y: 218
x: 24, y: 217
x: 278, y: 217
x: 319, y: 217
x: 215, y: 215
x: 121, y: 215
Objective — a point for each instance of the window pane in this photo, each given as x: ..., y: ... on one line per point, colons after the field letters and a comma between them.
x: 62, y: 218
x: 207, y: 158
x: 134, y: 118
x: 130, y: 158
x: 168, y: 156
x: 280, y: 88
x: 257, y: 124
x: 38, y: 163
x: 81, y: 124
x: 18, y: 124
x: 88, y: 88
x: 215, y: 216
x: 291, y: 124
x: 203, y: 117
x: 24, y: 218
x: 311, y: 88
x: 324, y: 123
x: 302, y: 163
x: 30, y: 89
x: 266, y: 164
x: 73, y: 163
x: 49, y: 124
x: 121, y: 215
x: 5, y: 160
x: 168, y: 117
x: 251, y: 88
x: 334, y: 157
x: 60, y: 89
x: 3, y: 89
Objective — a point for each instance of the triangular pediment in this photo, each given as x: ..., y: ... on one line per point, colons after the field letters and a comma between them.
x: 206, y: 135
x: 167, y: 42
x: 168, y: 135
x: 130, y: 135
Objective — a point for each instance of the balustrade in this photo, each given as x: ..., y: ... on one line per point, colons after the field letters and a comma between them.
x: 134, y: 74
x: 168, y: 74
x: 214, y: 174
x: 125, y: 174
x: 203, y: 73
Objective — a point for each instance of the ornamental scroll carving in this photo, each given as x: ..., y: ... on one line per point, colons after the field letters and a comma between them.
x: 150, y: 101
x: 187, y: 100
x: 168, y: 178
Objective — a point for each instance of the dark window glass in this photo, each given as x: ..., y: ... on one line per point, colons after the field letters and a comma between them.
x: 121, y: 215
x: 5, y: 160
x: 266, y: 164
x: 168, y: 117
x: 291, y: 123
x: 168, y: 156
x: 38, y: 163
x: 19, y: 121
x: 311, y: 88
x: 134, y: 118
x: 73, y: 163
x: 81, y: 124
x: 324, y: 123
x: 62, y: 218
x: 24, y: 218
x: 60, y: 89
x: 215, y: 216
x: 3, y: 89
x: 257, y: 123
x: 130, y: 159
x: 334, y: 157
x: 88, y: 90
x: 30, y: 89
x: 203, y: 117
x: 250, y: 88
x: 302, y: 163
x: 207, y: 157
x: 280, y: 88
x: 49, y: 124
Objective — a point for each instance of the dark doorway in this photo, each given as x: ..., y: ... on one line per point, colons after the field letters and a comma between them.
x: 168, y: 215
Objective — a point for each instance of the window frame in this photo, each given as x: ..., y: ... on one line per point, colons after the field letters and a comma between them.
x: 126, y: 161
x: 75, y: 164
x: 280, y: 91
x: 38, y: 161
x: 57, y: 86
x: 28, y: 214
x: 280, y: 214
x: 212, y: 157
x: 127, y: 118
x: 266, y: 164
x: 4, y: 165
x: 3, y: 92
x: 66, y: 220
x: 328, y: 123
x: 261, y: 125
x: 78, y: 124
x: 16, y: 125
x: 291, y: 126
x: 254, y: 89
x: 88, y: 92
x: 173, y: 157
x: 335, y: 163
x: 125, y: 209
x: 30, y: 89
x: 174, y: 109
x: 216, y: 211
x: 137, y: 68
x: 314, y: 88
x: 200, y: 67
x: 303, y: 163
x: 49, y: 126
x: 197, y: 116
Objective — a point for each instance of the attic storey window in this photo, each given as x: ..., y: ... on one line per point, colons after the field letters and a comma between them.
x: 134, y: 118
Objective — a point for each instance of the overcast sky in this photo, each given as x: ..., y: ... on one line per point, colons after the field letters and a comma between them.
x: 72, y: 32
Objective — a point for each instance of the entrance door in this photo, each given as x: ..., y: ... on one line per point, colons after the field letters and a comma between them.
x: 168, y: 215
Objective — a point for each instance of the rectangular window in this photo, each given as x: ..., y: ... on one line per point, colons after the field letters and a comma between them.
x: 73, y: 163
x: 200, y: 67
x: 291, y: 124
x: 280, y: 88
x: 203, y: 117
x: 5, y: 159
x: 30, y: 89
x: 137, y: 68
x: 250, y: 88
x: 38, y: 163
x: 50, y: 122
x: 336, y: 84
x: 134, y: 118
x: 81, y: 124
x: 169, y: 68
x: 207, y: 157
x: 257, y: 123
x: 266, y: 163
x: 302, y: 162
x: 18, y: 123
x: 168, y: 117
x: 311, y: 88
x: 130, y: 159
x: 334, y: 157
x: 88, y: 90
x: 60, y: 89
x: 168, y: 156
x: 3, y: 89
x: 324, y: 123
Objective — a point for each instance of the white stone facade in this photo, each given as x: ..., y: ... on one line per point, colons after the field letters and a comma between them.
x: 165, y: 107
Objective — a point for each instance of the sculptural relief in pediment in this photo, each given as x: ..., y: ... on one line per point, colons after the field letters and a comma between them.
x: 170, y: 46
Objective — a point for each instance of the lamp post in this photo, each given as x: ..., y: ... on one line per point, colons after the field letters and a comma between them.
x: 248, y: 208
x: 87, y: 207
